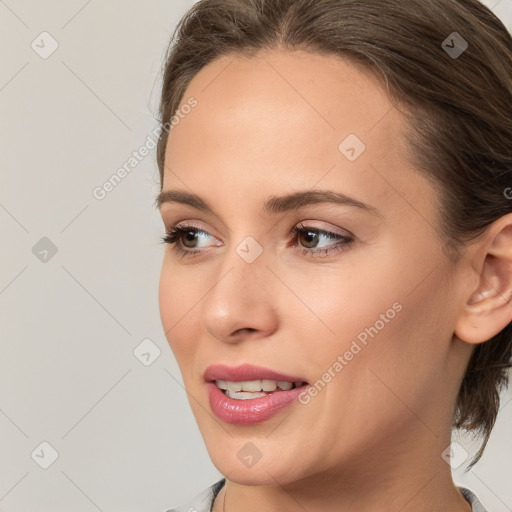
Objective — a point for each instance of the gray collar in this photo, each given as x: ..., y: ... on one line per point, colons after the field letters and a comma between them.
x: 203, y: 502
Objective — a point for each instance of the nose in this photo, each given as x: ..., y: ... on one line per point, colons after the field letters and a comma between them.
x: 241, y: 302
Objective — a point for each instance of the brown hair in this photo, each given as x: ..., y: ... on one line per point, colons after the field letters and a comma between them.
x: 459, y: 109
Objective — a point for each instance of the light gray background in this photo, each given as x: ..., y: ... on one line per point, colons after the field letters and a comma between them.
x: 124, y: 433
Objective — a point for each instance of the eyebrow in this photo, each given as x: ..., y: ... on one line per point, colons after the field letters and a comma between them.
x: 276, y: 204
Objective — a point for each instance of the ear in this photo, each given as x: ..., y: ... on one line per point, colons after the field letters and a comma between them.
x: 488, y: 309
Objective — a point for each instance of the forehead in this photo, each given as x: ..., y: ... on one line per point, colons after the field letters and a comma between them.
x: 278, y: 92
x: 280, y: 120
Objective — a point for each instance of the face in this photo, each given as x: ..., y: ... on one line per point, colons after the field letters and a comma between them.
x: 344, y: 285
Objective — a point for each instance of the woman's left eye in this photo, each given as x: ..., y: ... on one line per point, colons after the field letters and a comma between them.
x: 190, y: 240
x: 311, y: 244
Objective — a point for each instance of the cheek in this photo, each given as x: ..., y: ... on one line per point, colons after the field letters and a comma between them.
x: 392, y: 346
x: 390, y: 315
x: 178, y: 298
x: 401, y: 339
x: 338, y: 305
x: 167, y: 299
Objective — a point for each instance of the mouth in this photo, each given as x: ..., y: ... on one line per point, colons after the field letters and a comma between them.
x: 247, y: 381
x: 248, y: 394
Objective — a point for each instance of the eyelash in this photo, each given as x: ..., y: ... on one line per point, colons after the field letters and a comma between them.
x: 173, y: 237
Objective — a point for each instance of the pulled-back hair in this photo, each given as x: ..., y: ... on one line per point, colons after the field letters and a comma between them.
x: 458, y: 107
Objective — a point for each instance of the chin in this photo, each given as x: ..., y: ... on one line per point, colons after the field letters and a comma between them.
x: 254, y: 476
x: 238, y: 467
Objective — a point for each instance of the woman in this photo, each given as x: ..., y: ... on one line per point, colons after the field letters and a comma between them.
x: 334, y: 178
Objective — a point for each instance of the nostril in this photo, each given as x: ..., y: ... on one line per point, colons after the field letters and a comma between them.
x: 244, y: 329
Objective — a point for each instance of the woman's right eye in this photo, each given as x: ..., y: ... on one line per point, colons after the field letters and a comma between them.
x: 187, y: 239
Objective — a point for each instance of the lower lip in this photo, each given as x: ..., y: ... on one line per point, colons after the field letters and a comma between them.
x: 254, y: 410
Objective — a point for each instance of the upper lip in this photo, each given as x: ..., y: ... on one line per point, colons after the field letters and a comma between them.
x: 246, y: 372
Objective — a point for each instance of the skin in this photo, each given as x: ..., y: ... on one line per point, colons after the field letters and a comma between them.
x: 372, y: 439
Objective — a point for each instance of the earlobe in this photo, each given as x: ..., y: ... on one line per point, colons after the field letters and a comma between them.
x: 488, y: 309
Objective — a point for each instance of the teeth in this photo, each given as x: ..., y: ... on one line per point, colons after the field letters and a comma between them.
x: 222, y: 384
x: 234, y: 386
x: 251, y: 385
x: 268, y: 385
x: 255, y: 386
x: 285, y: 386
x: 245, y: 395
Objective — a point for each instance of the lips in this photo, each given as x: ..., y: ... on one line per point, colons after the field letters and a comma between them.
x: 246, y: 372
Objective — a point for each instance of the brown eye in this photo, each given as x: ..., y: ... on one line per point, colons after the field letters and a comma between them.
x: 318, y: 242
x: 308, y: 239
x: 189, y: 238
